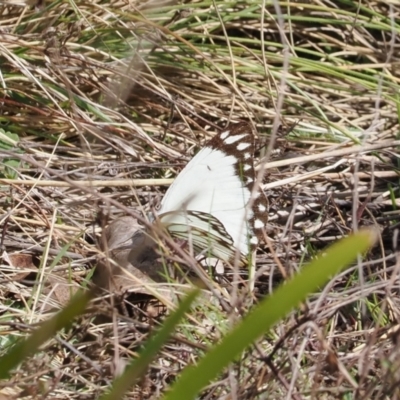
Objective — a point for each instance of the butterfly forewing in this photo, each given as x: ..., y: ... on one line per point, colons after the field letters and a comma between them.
x: 207, y: 203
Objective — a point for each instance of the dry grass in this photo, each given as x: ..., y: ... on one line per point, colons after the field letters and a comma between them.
x: 82, y: 119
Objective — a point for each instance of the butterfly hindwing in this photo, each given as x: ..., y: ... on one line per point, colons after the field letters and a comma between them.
x: 204, y: 232
x: 207, y: 202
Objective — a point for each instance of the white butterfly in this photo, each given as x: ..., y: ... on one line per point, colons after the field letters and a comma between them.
x: 207, y: 204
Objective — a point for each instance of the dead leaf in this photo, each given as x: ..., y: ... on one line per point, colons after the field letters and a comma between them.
x: 131, y: 259
x: 61, y: 289
x: 20, y: 261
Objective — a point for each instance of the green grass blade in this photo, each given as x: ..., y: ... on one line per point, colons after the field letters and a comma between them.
x: 139, y: 366
x: 268, y: 312
x: 45, y: 332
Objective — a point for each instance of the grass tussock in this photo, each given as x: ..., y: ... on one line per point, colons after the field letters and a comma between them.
x: 102, y: 103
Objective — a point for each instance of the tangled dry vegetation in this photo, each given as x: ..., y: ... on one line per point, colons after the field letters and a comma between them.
x: 101, y: 95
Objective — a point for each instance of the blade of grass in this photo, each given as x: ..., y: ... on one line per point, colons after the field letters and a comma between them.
x: 268, y: 312
x: 139, y: 366
x: 46, y: 331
